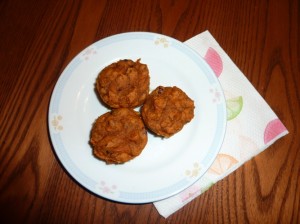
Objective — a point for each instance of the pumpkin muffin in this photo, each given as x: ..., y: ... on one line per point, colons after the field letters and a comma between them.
x: 124, y: 84
x: 166, y: 110
x: 118, y: 136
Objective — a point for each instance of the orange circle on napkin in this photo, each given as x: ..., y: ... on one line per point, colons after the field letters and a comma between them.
x: 222, y: 163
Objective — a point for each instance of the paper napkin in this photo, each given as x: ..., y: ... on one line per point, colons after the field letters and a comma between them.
x: 252, y: 126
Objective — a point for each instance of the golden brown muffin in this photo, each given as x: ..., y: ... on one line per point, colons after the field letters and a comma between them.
x: 124, y: 84
x: 118, y: 136
x: 166, y: 110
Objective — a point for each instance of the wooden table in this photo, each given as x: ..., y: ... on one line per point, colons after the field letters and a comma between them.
x: 39, y: 38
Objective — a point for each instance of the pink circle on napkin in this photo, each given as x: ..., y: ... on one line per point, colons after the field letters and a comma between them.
x: 273, y: 129
x: 214, y: 60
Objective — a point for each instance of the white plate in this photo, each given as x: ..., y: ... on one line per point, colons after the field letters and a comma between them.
x: 166, y: 166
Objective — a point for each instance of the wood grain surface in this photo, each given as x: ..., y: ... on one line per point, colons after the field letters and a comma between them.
x: 39, y: 38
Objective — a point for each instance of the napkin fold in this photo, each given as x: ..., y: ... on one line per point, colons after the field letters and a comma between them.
x: 252, y: 126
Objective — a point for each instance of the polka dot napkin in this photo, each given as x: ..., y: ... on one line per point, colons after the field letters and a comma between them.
x: 242, y: 140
